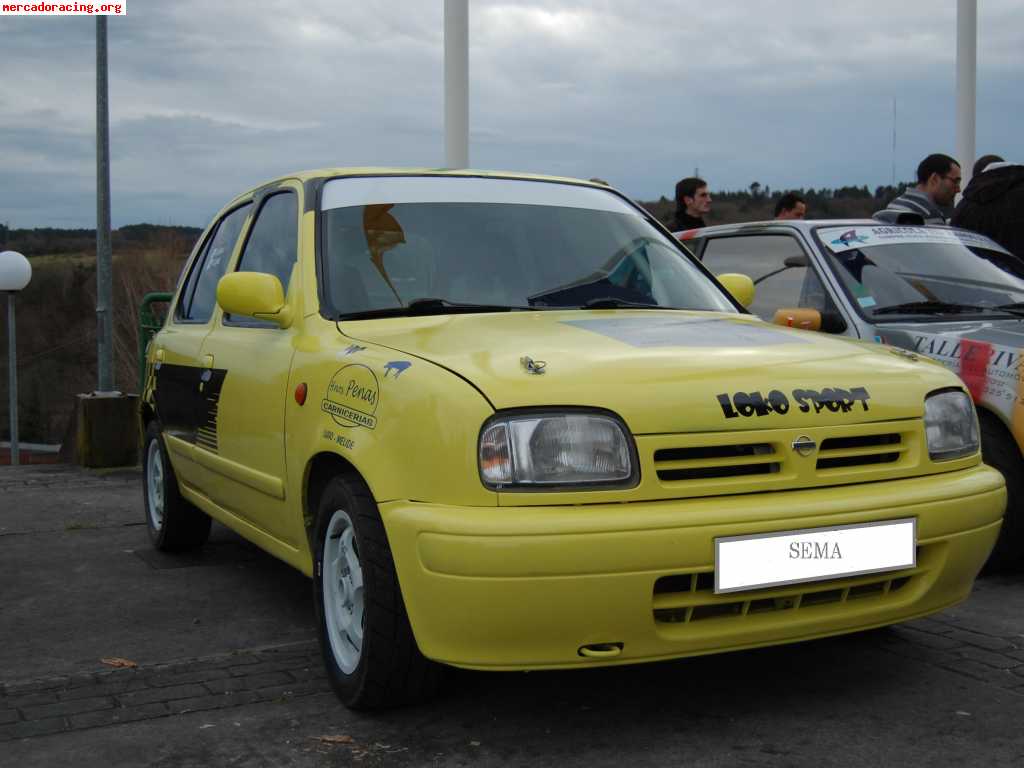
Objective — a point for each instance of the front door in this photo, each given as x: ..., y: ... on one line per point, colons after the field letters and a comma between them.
x: 247, y: 380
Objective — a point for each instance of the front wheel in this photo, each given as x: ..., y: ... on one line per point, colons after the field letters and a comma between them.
x: 174, y: 524
x: 999, y: 451
x: 367, y: 643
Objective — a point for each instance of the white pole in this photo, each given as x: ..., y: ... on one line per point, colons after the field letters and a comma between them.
x: 12, y: 357
x: 966, y: 81
x: 456, y: 83
x: 104, y: 308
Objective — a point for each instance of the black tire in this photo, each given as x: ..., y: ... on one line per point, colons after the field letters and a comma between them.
x: 178, y: 526
x: 378, y: 665
x: 999, y: 451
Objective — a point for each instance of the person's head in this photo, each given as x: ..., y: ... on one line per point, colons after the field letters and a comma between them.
x: 938, y: 176
x: 790, y: 206
x: 983, y: 162
x: 692, y: 194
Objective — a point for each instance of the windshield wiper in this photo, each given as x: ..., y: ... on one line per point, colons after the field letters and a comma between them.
x: 610, y: 302
x: 431, y: 306
x: 930, y: 308
x: 1014, y: 308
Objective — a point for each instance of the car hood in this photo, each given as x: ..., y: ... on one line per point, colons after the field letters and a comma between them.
x: 986, y: 354
x: 666, y: 371
x: 1006, y: 332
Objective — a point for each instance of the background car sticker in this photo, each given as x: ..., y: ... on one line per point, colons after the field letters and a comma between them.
x: 992, y: 372
x: 839, y: 239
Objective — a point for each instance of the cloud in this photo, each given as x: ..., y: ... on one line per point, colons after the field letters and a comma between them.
x: 207, y: 99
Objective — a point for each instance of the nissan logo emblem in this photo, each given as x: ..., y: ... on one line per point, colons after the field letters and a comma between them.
x: 804, y: 445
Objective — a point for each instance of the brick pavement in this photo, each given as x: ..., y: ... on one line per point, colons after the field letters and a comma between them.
x: 95, y: 700
x: 111, y: 697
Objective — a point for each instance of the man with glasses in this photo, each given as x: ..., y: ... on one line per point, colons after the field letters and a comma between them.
x: 938, y: 181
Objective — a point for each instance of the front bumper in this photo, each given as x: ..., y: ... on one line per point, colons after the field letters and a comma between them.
x: 528, y: 587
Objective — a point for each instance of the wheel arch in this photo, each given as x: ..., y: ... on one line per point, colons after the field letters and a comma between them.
x: 147, y: 413
x: 319, y: 470
x: 995, y: 419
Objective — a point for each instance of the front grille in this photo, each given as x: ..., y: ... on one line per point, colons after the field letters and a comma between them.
x: 710, y: 463
x: 715, y: 461
x: 862, y: 450
x: 689, y: 598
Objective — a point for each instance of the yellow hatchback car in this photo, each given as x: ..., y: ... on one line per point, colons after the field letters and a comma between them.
x: 508, y: 422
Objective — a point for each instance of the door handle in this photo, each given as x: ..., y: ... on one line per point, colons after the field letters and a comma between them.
x: 207, y: 361
x: 159, y: 355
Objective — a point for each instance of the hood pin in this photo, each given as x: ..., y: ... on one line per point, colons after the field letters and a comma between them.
x: 533, y: 366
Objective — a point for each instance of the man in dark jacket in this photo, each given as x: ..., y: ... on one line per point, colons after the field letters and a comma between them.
x: 693, y: 202
x: 993, y: 205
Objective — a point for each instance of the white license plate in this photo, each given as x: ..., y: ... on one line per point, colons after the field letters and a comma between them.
x: 812, y: 554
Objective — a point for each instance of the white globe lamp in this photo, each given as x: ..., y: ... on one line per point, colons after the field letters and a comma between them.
x: 15, y: 273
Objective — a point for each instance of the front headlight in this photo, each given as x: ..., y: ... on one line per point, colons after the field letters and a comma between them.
x: 950, y: 425
x: 534, y: 450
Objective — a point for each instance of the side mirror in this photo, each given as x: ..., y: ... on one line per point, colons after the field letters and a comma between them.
x: 799, y: 260
x: 809, y: 319
x: 898, y: 217
x: 254, y: 294
x: 740, y: 286
x: 798, y: 317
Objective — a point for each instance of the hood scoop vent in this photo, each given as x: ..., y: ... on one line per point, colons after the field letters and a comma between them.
x: 715, y: 461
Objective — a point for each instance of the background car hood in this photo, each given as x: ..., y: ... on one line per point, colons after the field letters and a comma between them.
x: 661, y: 371
x: 1007, y: 332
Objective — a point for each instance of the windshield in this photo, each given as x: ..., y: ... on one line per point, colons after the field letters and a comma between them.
x: 893, y: 271
x: 403, y: 245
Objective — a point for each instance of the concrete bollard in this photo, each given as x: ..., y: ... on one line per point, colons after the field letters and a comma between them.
x: 107, y: 430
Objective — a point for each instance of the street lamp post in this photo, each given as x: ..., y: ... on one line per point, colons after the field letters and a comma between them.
x: 15, y: 272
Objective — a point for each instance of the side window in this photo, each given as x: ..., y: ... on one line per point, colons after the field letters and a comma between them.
x: 781, y: 272
x: 199, y: 295
x: 272, y: 246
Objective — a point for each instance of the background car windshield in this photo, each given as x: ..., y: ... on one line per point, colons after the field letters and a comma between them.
x: 516, y: 254
x: 881, y: 276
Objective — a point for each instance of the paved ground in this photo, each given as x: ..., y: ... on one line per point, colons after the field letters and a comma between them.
x: 229, y: 674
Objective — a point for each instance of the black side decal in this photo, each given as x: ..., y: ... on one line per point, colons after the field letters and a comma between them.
x: 212, y: 381
x: 187, y: 399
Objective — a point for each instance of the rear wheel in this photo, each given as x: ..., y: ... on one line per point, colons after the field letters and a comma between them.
x: 999, y: 450
x: 367, y: 643
x: 174, y: 524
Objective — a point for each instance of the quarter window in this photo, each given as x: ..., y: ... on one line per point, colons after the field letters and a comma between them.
x: 199, y: 295
x: 272, y: 245
x: 781, y: 272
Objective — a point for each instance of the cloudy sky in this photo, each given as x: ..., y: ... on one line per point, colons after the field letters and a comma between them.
x: 208, y: 99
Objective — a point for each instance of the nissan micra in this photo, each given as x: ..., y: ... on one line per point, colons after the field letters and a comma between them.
x: 508, y: 422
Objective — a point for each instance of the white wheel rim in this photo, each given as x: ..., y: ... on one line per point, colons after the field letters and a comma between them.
x: 342, y: 579
x: 155, y: 485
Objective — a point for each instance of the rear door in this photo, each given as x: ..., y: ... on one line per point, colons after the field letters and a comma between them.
x: 182, y: 406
